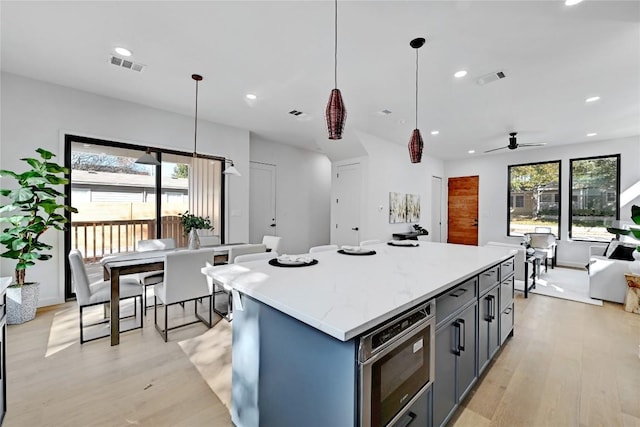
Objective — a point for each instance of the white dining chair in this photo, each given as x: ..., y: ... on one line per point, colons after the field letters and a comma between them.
x: 183, y: 282
x: 90, y: 294
x: 322, y: 248
x: 255, y: 257
x: 370, y: 242
x: 236, y: 250
x: 153, y: 277
x: 211, y: 240
x: 272, y: 242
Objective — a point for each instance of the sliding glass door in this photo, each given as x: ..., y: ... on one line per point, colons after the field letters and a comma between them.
x: 121, y: 202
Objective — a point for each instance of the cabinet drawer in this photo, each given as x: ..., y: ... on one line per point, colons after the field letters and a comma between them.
x: 506, y: 268
x: 488, y: 279
x: 455, y: 298
x: 506, y: 293
x: 506, y: 323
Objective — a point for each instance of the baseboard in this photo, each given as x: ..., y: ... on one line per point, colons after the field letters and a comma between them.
x: 576, y: 266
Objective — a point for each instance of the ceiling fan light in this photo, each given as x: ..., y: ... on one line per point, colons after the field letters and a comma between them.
x: 336, y: 115
x: 415, y: 146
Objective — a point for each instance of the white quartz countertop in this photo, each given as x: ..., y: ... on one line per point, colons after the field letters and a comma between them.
x: 345, y: 295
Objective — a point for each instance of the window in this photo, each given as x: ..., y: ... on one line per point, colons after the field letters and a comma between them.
x: 595, y: 186
x: 534, y: 195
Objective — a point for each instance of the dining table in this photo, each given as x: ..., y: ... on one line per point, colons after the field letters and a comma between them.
x: 124, y: 263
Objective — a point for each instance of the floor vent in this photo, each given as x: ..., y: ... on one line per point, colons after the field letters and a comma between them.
x: 125, y: 63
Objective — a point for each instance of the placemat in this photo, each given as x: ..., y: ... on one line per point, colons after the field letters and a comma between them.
x: 275, y: 263
x: 343, y: 252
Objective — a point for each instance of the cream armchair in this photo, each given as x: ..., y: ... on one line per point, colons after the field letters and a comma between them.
x: 606, y: 276
x: 545, y: 242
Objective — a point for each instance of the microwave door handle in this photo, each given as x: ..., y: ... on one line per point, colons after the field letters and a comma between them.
x: 406, y: 420
x: 462, y: 333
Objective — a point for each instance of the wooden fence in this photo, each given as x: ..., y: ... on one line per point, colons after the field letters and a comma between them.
x: 99, y: 238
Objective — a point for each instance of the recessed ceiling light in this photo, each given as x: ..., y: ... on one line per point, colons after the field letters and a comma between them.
x: 122, y: 51
x: 460, y: 74
x: 592, y: 99
x: 471, y: 151
x: 251, y: 96
x: 592, y: 134
x: 572, y: 2
x: 435, y: 132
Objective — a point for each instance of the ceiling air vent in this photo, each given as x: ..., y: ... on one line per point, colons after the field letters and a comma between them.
x: 125, y: 63
x: 491, y: 77
x: 384, y: 112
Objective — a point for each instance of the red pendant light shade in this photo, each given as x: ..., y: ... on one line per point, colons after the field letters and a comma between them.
x: 415, y: 146
x: 415, y: 143
x: 335, y: 112
x: 336, y: 115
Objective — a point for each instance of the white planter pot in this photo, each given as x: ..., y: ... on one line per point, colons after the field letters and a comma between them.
x: 194, y: 240
x: 22, y: 302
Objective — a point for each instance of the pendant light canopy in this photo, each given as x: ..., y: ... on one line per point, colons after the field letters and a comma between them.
x: 198, y: 79
x: 415, y: 143
x: 148, y: 159
x: 336, y: 113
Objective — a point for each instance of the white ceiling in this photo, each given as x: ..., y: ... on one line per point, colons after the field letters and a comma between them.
x: 554, y: 57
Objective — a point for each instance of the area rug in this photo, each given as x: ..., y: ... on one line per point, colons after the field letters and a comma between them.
x: 566, y: 283
x: 210, y: 353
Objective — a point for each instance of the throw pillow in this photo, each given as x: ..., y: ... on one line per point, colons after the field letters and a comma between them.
x: 613, y: 244
x: 622, y: 252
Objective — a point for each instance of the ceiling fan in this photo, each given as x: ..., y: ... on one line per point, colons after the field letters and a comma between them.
x: 513, y: 144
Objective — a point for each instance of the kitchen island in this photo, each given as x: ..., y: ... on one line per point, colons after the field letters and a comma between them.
x: 296, y: 330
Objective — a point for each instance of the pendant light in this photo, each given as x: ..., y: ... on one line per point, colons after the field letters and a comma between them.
x: 198, y: 79
x: 336, y: 113
x: 148, y: 159
x: 415, y: 143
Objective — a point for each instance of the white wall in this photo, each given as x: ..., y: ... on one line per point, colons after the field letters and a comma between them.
x: 303, y: 191
x: 387, y: 168
x: 492, y: 170
x: 38, y: 114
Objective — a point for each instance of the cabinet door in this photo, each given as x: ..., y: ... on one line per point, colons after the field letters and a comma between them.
x: 494, y: 323
x: 487, y: 328
x: 444, y: 387
x: 466, y: 366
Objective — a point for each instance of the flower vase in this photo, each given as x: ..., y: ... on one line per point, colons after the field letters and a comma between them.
x: 634, y: 267
x: 194, y: 240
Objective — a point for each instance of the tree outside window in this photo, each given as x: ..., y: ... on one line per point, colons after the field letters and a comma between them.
x: 534, y: 195
x: 595, y: 185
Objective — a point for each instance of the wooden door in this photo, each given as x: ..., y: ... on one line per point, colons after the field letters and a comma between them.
x: 462, y: 210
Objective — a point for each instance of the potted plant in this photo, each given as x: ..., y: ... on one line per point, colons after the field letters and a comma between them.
x: 33, y: 209
x: 191, y: 223
x: 632, y: 232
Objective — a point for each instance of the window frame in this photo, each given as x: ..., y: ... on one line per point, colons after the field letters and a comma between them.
x: 559, y: 195
x: 71, y: 138
x: 570, y: 221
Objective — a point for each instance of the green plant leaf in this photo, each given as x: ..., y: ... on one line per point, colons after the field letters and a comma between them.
x: 635, y: 214
x: 55, y: 168
x: 45, y: 154
x: 21, y: 194
x: 17, y: 245
x: 35, y: 164
x: 4, y: 172
x: 37, y: 180
x: 56, y: 180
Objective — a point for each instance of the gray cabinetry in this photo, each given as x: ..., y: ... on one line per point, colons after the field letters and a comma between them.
x: 506, y: 305
x: 455, y: 349
x: 488, y: 329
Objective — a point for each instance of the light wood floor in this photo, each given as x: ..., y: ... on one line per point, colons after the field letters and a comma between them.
x: 569, y: 364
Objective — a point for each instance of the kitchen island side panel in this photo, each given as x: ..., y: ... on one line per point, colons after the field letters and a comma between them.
x: 287, y: 373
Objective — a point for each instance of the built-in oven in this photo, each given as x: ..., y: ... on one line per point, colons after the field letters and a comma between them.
x: 396, y: 363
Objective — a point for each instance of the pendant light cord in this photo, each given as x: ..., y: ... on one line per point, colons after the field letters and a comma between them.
x: 416, y: 88
x: 335, y: 47
x: 195, y: 126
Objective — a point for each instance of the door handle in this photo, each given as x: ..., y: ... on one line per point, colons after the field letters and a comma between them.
x: 272, y: 225
x: 462, y: 331
x: 407, y: 419
x: 475, y: 222
x: 355, y: 229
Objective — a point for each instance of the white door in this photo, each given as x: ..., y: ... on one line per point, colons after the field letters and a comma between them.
x: 347, y: 204
x: 436, y: 209
x: 262, y: 201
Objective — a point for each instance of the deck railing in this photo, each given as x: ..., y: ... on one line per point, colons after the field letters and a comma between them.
x: 99, y: 238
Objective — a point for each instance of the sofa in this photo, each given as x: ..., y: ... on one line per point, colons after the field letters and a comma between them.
x: 606, y: 275
x: 519, y: 259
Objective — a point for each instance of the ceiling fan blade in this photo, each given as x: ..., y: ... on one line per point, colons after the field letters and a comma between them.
x: 495, y: 149
x: 532, y: 144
